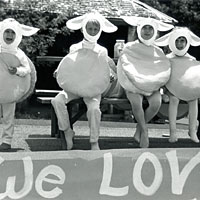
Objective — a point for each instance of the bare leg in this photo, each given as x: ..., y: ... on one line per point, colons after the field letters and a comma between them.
x: 155, y: 101
x: 193, y: 111
x: 154, y: 106
x: 173, y: 108
x: 137, y: 135
x: 136, y: 103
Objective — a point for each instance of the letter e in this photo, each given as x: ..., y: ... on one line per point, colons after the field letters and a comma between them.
x: 42, y: 177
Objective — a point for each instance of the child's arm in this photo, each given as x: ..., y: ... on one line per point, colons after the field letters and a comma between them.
x: 12, y: 70
x: 112, y: 64
x: 24, y: 68
x: 112, y: 67
x: 113, y: 70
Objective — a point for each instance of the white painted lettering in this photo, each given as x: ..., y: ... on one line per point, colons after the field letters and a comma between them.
x: 42, y: 177
x: 2, y: 195
x: 28, y: 183
x: 105, y: 187
x: 137, y: 174
x: 178, y: 180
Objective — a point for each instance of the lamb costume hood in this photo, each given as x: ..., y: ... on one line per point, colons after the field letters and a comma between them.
x: 85, y: 71
x: 15, y: 88
x: 184, y: 82
x: 143, y: 68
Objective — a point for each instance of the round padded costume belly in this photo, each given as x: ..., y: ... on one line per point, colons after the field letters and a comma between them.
x: 33, y: 79
x: 184, y: 82
x: 143, y: 69
x: 12, y: 87
x: 84, y: 73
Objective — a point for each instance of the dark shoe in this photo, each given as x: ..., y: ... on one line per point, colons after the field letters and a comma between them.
x: 5, y: 147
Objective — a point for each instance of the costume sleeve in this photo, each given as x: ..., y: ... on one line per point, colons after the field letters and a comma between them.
x: 24, y: 68
x: 75, y: 47
x: 102, y: 52
x: 72, y: 48
x: 112, y: 64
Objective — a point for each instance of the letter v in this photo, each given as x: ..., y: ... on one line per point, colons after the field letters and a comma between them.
x: 178, y: 180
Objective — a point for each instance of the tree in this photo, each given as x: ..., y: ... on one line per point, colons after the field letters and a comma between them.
x: 50, y: 24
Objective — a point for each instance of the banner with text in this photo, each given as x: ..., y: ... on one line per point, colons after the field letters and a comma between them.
x: 124, y: 174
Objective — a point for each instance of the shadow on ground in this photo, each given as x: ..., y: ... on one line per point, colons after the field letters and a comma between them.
x: 47, y: 143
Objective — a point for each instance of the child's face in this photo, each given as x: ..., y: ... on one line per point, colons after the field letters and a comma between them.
x: 9, y: 36
x: 181, y: 43
x: 147, y: 32
x: 92, y: 28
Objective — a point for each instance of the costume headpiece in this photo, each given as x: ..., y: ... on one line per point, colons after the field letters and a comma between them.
x: 81, y: 21
x: 140, y: 22
x: 170, y: 38
x: 19, y: 29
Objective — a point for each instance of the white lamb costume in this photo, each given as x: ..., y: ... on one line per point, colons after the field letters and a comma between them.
x: 17, y: 87
x: 143, y: 68
x: 184, y: 82
x: 85, y: 73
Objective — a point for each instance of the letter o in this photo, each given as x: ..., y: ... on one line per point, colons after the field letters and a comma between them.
x: 137, y: 176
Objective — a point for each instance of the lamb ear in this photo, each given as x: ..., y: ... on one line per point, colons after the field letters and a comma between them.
x: 164, y: 26
x: 28, y: 30
x: 75, y: 23
x: 195, y: 40
x: 135, y: 21
x: 132, y: 20
x: 108, y: 27
x: 163, y: 41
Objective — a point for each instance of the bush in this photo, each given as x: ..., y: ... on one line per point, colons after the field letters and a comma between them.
x: 30, y: 12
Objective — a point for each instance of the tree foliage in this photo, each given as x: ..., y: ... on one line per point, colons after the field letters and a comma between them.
x: 50, y: 24
x: 187, y: 12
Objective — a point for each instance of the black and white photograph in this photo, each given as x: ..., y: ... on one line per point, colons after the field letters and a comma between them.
x: 100, y: 99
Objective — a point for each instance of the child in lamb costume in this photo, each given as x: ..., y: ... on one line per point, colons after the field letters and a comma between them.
x: 17, y: 74
x: 142, y: 69
x: 184, y: 82
x: 85, y: 73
